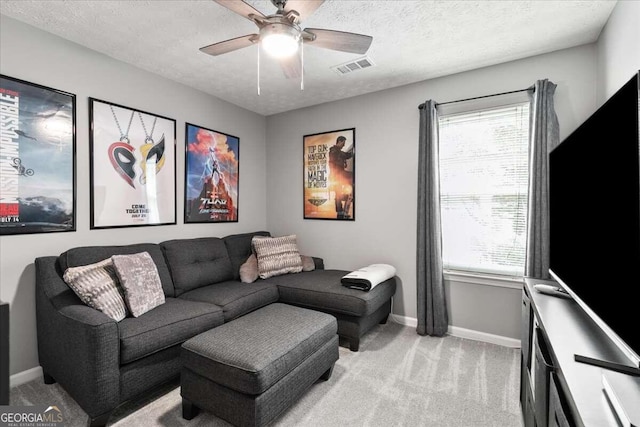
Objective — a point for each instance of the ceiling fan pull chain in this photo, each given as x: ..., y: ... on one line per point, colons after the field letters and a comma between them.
x: 258, y: 70
x: 301, y: 64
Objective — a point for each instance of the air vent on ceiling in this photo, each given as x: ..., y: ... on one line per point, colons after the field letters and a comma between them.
x: 352, y: 66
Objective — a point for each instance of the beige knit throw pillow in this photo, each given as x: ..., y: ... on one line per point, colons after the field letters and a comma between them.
x: 98, y: 287
x: 277, y: 255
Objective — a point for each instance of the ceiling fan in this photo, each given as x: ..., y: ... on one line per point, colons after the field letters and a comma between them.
x: 280, y: 34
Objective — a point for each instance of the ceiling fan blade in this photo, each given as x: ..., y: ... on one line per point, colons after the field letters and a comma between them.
x: 304, y: 7
x: 241, y: 8
x: 230, y: 45
x: 338, y: 40
x: 291, y: 67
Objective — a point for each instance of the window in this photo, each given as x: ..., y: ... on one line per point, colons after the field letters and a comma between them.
x: 483, y: 185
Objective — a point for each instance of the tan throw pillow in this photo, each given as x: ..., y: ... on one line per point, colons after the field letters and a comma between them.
x: 277, y: 255
x: 307, y: 263
x: 140, y: 280
x: 98, y: 287
x: 249, y: 270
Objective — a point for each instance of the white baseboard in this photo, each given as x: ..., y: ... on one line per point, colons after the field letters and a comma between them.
x: 463, y: 332
x: 25, y: 376
x: 404, y: 320
x: 483, y: 336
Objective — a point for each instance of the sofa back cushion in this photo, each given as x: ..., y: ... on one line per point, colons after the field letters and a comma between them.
x: 195, y: 263
x: 91, y: 254
x: 239, y: 249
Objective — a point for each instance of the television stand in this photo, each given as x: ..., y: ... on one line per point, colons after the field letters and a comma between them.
x: 606, y: 364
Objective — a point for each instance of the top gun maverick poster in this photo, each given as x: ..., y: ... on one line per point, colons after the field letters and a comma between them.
x: 212, y: 165
x: 37, y: 158
x: 133, y: 167
x: 329, y: 175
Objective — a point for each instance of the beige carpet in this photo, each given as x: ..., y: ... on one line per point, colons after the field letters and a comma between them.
x: 398, y: 378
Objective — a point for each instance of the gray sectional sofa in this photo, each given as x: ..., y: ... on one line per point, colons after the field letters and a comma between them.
x: 102, y: 363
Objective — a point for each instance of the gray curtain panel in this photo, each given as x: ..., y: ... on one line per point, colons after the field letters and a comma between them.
x: 432, y: 307
x: 543, y: 137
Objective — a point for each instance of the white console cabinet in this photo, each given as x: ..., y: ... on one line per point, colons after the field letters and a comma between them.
x: 555, y: 390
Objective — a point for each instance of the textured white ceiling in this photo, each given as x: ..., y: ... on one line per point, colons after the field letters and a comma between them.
x: 412, y: 41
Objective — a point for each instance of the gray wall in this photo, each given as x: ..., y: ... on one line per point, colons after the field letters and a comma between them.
x: 618, y: 49
x: 39, y: 57
x: 386, y: 125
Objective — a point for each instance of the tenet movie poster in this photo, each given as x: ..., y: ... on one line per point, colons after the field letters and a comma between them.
x: 329, y: 175
x: 37, y: 158
x: 212, y: 165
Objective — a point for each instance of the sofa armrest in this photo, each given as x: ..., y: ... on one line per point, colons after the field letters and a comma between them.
x: 77, y: 345
x: 85, y: 316
x: 319, y: 263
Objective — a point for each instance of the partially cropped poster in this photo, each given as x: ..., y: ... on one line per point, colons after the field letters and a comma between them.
x: 133, y: 167
x: 212, y: 165
x: 37, y: 158
x: 329, y: 175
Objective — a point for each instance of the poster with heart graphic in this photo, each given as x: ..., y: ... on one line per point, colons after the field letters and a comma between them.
x: 133, y: 167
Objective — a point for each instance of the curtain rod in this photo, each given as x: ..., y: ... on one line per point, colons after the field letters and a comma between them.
x: 532, y: 89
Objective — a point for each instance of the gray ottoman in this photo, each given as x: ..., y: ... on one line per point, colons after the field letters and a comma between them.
x: 250, y: 370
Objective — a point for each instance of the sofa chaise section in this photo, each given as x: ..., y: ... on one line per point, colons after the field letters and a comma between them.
x: 356, y: 311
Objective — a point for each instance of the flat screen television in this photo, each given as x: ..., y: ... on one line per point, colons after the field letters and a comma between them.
x: 594, y: 189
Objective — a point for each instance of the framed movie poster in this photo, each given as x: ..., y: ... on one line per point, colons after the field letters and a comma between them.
x: 37, y: 158
x: 133, y: 167
x: 212, y: 162
x: 329, y: 175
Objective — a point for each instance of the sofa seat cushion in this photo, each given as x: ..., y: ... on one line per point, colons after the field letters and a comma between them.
x: 195, y: 263
x: 167, y: 325
x: 322, y: 290
x: 235, y: 298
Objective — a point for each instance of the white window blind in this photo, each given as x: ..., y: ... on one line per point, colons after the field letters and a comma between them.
x: 483, y: 187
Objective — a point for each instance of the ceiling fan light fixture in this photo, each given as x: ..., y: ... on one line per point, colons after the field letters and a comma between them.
x: 280, y: 40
